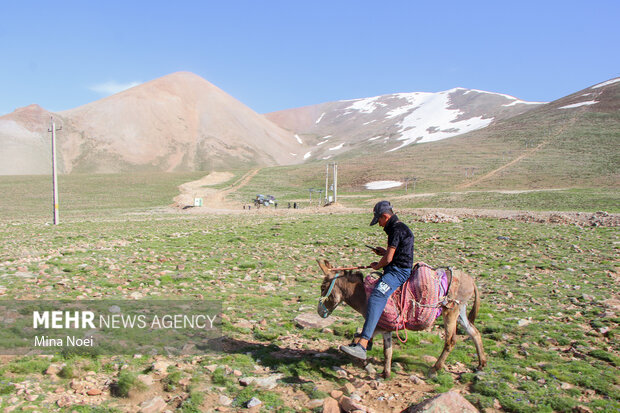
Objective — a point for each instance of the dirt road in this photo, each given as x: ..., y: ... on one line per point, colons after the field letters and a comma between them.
x: 212, y: 198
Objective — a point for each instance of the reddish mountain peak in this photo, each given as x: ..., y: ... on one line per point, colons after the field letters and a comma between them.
x: 28, y: 115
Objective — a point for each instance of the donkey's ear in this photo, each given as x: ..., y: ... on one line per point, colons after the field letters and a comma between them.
x: 325, y: 267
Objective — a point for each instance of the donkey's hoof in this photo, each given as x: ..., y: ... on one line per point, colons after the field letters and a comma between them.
x: 432, y: 373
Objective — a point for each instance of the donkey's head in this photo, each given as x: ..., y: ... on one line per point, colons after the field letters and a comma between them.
x: 335, y: 288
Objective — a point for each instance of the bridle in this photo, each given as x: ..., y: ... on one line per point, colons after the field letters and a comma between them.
x: 324, y: 312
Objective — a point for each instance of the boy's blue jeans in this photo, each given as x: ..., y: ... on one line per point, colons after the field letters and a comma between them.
x: 393, y: 277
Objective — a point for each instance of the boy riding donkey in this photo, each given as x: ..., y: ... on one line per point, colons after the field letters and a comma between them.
x: 396, y: 262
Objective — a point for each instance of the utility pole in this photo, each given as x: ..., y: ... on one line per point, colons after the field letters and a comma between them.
x: 326, y: 183
x: 335, y: 181
x: 54, y: 177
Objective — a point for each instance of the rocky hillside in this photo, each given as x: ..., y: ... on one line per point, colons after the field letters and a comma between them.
x: 390, y: 122
x: 179, y: 122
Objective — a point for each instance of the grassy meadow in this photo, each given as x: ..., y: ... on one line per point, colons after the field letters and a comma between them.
x: 548, y: 320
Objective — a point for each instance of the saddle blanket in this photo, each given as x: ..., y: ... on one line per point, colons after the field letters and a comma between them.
x: 418, y: 299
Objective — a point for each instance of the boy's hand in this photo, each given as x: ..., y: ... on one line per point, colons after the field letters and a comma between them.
x: 380, y: 251
x: 374, y: 265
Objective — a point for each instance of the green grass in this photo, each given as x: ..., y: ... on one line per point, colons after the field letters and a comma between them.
x: 587, y: 200
x: 546, y: 268
x: 262, y: 267
x: 87, y: 196
x: 126, y: 382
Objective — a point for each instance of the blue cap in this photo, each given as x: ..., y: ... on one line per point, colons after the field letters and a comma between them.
x: 381, y: 207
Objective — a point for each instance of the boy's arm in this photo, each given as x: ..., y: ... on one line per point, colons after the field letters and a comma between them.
x: 385, y: 260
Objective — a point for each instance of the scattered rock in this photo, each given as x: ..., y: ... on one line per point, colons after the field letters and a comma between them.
x: 429, y: 359
x: 253, y: 402
x: 587, y: 298
x: 146, y: 379
x: 312, y: 320
x: 336, y: 394
x: 444, y: 403
x: 348, y: 405
x: 330, y: 406
x: 94, y: 392
x: 136, y: 295
x: 160, y: 367
x: 225, y: 400
x: 340, y: 371
x: 211, y: 367
x: 314, y: 403
x: 370, y: 369
x: 243, y: 324
x: 263, y: 382
x: 348, y: 388
x: 76, y: 385
x: 438, y: 218
x: 416, y: 380
x: 54, y: 368
x: 154, y: 405
x: 524, y: 321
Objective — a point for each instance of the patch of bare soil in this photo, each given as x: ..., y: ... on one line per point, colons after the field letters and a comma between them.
x: 197, y: 189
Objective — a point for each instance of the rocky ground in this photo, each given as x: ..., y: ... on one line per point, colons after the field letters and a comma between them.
x: 549, y: 315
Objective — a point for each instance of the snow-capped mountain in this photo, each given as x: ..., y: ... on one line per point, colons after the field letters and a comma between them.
x: 395, y: 121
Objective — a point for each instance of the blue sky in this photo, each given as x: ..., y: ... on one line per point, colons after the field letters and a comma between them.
x: 274, y: 55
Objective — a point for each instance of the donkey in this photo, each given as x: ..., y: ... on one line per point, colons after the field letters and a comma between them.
x: 348, y: 286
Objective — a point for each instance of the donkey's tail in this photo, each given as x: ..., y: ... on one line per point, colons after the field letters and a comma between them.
x: 474, y: 310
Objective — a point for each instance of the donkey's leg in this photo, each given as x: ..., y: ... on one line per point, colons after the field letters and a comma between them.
x: 449, y: 320
x: 387, y: 354
x: 473, y: 332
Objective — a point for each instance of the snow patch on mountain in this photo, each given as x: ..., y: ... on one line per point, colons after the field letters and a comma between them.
x: 367, y: 105
x: 320, y: 118
x: 607, y: 83
x: 298, y: 139
x: 382, y: 185
x: 335, y: 148
x: 307, y: 155
x: 429, y: 118
x: 576, y: 105
x: 522, y: 102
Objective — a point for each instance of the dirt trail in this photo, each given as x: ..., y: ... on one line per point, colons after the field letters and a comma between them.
x: 213, y: 198
x: 501, y: 168
x: 531, y: 151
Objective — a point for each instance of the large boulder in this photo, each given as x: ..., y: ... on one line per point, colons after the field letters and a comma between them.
x: 312, y: 320
x: 450, y: 402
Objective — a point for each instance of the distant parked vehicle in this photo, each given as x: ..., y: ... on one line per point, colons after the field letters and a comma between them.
x: 264, y: 200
